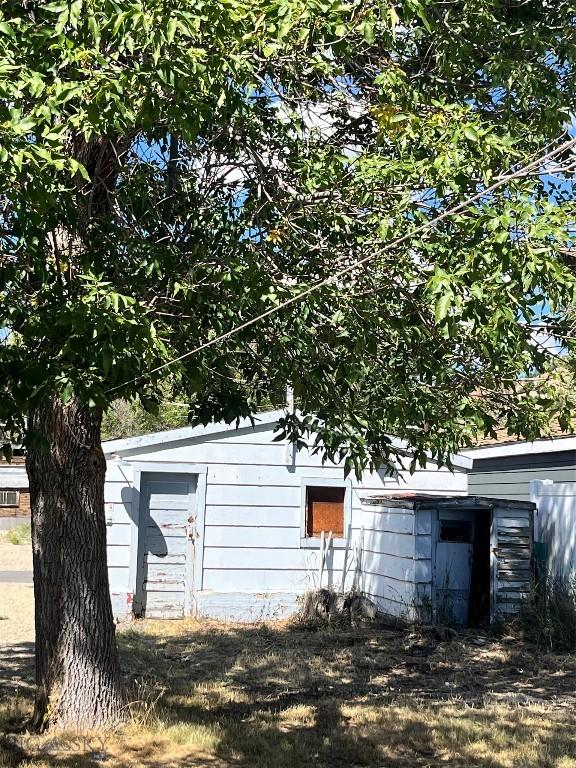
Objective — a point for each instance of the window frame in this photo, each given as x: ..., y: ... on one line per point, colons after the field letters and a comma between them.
x: 313, y: 542
x: 6, y: 505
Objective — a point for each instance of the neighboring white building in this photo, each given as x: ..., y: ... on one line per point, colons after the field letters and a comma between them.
x: 543, y: 471
x: 225, y: 522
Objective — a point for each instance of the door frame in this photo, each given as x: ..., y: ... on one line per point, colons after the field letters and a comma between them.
x: 194, y: 548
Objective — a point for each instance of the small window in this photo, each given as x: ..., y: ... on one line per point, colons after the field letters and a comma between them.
x: 324, y: 510
x: 9, y: 499
x: 459, y: 531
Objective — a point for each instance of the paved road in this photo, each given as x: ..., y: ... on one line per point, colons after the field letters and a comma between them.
x: 16, y: 577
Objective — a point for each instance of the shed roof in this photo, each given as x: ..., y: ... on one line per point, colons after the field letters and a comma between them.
x: 422, y: 500
x: 211, y: 431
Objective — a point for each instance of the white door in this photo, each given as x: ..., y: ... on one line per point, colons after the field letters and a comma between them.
x: 453, y: 566
x: 165, y: 555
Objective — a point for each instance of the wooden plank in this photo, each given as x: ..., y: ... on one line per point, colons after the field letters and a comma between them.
x: 422, y: 481
x: 387, y: 543
x: 118, y: 577
x: 519, y: 541
x: 513, y: 574
x: 174, y: 557
x: 378, y: 585
x: 118, y: 556
x: 423, y: 522
x: 513, y: 518
x: 372, y: 519
x: 509, y: 531
x: 165, y: 529
x: 270, y: 476
x: 423, y: 547
x: 264, y: 559
x: 118, y: 534
x: 253, y: 536
x: 282, y: 517
x: 165, y: 573
x: 401, y: 569
x: 252, y: 580
x: 246, y: 607
x: 164, y: 605
x: 253, y: 496
x: 512, y: 595
x: 513, y: 584
x: 213, y: 452
x: 118, y: 473
x: 118, y: 493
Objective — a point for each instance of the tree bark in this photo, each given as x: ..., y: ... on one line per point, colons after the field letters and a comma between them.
x: 77, y: 671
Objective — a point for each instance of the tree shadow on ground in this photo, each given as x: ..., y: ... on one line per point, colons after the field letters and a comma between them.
x: 210, y: 694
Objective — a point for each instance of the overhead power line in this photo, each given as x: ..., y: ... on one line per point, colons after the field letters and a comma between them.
x: 430, y: 224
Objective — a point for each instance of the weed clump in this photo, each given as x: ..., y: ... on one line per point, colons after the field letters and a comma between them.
x: 548, y: 616
x: 20, y: 534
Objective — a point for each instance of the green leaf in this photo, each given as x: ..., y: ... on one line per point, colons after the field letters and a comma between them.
x: 67, y: 392
x: 442, y: 306
x: 7, y: 29
x: 471, y: 133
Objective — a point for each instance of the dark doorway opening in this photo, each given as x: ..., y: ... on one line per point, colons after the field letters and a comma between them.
x: 479, y: 606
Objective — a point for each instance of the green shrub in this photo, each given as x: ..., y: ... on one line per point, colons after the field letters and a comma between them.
x: 21, y: 534
x: 548, y: 617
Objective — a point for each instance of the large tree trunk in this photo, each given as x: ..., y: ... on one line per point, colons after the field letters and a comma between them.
x: 77, y: 673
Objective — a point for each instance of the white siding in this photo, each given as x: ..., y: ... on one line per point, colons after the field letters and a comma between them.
x: 118, y: 495
x: 388, y: 566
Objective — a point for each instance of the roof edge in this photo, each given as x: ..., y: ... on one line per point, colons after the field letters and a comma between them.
x: 545, y: 445
x: 188, y: 433
x: 151, y: 439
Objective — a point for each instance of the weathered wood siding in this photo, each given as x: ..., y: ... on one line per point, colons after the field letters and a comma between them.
x: 512, y: 552
x: 387, y: 568
x: 121, y: 520
x: 555, y: 525
x: 509, y: 477
x: 253, y: 510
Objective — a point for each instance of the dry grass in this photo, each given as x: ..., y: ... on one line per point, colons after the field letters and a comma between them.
x: 209, y: 694
x: 15, y: 557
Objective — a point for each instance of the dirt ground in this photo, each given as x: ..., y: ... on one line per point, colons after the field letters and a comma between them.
x: 16, y: 615
x: 15, y: 557
x: 211, y: 694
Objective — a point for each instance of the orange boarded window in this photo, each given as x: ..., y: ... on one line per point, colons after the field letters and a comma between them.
x: 324, y: 510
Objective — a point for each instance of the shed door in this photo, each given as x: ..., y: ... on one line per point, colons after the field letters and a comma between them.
x: 453, y: 566
x: 165, y: 554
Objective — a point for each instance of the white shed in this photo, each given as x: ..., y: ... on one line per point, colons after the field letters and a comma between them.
x: 224, y: 522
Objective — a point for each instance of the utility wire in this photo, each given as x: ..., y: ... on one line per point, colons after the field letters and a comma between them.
x: 538, y: 161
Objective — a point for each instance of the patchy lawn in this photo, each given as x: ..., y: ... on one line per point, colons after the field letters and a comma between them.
x: 209, y: 694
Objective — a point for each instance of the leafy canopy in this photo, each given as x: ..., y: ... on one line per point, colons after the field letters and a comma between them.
x: 173, y: 168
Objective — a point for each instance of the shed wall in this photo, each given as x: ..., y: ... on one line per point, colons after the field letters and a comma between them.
x: 253, y: 562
